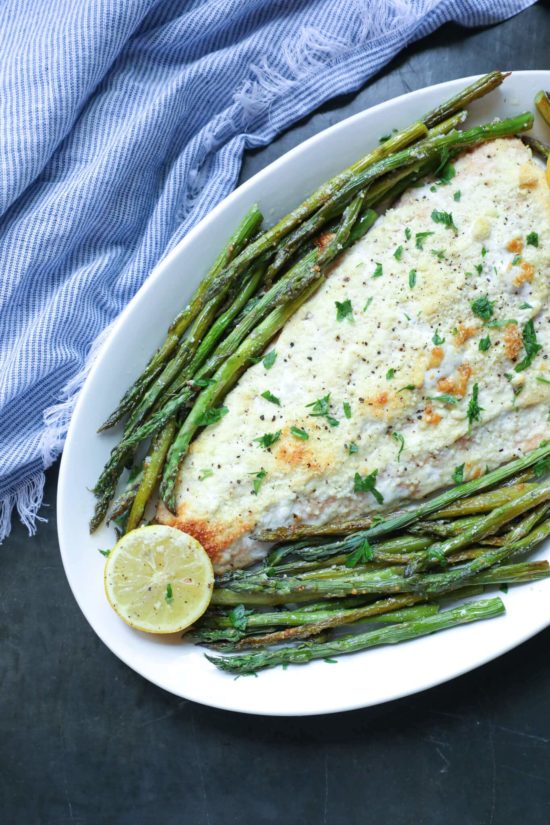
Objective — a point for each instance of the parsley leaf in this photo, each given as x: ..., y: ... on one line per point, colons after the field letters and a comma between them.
x: 532, y: 239
x: 321, y: 407
x: 205, y: 473
x: 369, y: 302
x: 484, y: 344
x: 344, y: 310
x: 525, y: 305
x: 237, y: 617
x: 412, y: 278
x: 169, y: 595
x: 447, y: 174
x: 444, y: 218
x: 360, y: 555
x: 457, y: 195
x: 541, y: 467
x: 398, y: 254
x: 458, y: 474
x: 212, y: 416
x: 257, y: 483
x: 390, y: 373
x: 352, y: 448
x: 483, y: 307
x: 268, y: 439
x: 530, y: 344
x: 407, y: 234
x: 401, y: 441
x: 269, y: 359
x: 297, y: 432
x: 444, y: 399
x: 367, y: 485
x: 438, y: 253
x: 542, y: 380
x: 104, y: 552
x: 270, y: 397
x: 474, y: 410
x: 437, y: 340
x: 347, y: 409
x: 420, y: 237
x: 499, y: 324
x: 407, y: 387
x: 516, y: 260
x: 377, y: 271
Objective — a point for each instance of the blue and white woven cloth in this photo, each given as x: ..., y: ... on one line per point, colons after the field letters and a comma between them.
x: 122, y: 123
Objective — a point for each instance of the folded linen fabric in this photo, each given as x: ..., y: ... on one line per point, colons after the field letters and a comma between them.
x: 122, y: 123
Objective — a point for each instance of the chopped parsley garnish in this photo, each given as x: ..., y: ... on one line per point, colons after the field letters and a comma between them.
x: 401, y: 441
x: 268, y: 439
x: 499, y: 324
x: 321, y: 407
x: 398, y: 254
x: 169, y: 595
x: 516, y: 260
x: 270, y: 397
x: 257, y: 483
x: 104, y: 552
x: 420, y: 237
x: 542, y: 379
x: 447, y: 174
x: 377, y: 271
x: 352, y: 448
x: 474, y: 410
x: 444, y: 218
x: 369, y: 302
x: 407, y: 387
x: 525, y: 305
x: 478, y: 268
x: 204, y: 382
x: 297, y: 432
x: 530, y: 344
x: 269, y: 359
x: 483, y: 251
x: 437, y: 340
x: 444, y: 399
x: 344, y: 310
x: 237, y: 617
x: 458, y: 474
x: 483, y: 307
x: 484, y: 344
x: 412, y: 278
x: 407, y: 233
x: 212, y: 416
x: 438, y: 253
x: 360, y: 555
x: 367, y: 484
x: 532, y: 239
x: 347, y: 409
x: 457, y: 195
x: 390, y: 373
x: 206, y: 472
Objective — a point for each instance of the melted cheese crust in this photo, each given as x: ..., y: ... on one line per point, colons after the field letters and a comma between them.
x: 411, y: 339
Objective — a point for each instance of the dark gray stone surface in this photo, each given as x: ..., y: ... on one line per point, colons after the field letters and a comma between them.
x: 83, y: 739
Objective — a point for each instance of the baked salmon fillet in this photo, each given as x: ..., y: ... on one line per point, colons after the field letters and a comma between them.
x: 422, y: 357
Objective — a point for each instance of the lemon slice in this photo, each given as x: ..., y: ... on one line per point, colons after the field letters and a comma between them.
x: 158, y: 579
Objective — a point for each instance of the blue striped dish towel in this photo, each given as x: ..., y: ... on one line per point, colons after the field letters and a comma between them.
x: 122, y: 123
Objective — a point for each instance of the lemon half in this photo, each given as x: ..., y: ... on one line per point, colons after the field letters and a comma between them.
x: 159, y: 579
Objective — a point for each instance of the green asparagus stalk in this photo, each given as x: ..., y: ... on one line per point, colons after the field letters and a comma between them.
x: 484, y: 526
x: 151, y: 475
x: 537, y: 146
x: 475, y: 90
x: 542, y: 102
x: 237, y: 242
x: 301, y: 654
x: 313, y: 628
x: 483, y: 503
